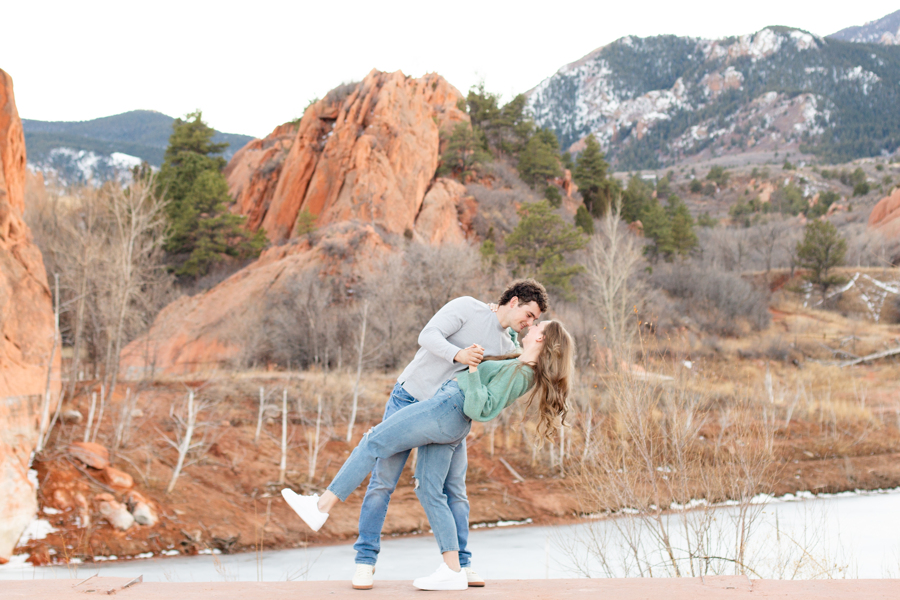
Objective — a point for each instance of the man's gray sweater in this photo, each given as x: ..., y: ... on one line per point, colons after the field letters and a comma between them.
x: 457, y: 325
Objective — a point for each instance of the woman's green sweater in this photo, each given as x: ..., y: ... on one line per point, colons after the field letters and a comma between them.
x: 494, y: 386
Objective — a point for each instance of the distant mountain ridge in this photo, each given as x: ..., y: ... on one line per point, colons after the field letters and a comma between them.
x: 657, y: 100
x: 885, y: 30
x: 77, y: 151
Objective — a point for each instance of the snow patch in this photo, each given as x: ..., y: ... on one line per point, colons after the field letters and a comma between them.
x: 803, y: 40
x: 38, y: 529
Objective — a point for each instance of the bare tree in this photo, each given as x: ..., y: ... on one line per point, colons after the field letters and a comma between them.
x: 137, y: 219
x: 614, y: 258
x: 359, y: 364
x: 186, y: 427
x: 282, y: 469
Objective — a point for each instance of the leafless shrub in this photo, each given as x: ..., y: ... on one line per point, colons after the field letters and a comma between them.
x: 716, y: 300
x: 105, y: 245
x: 649, y: 459
x: 497, y: 205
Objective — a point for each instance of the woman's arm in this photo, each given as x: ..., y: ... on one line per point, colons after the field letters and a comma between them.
x: 484, y: 402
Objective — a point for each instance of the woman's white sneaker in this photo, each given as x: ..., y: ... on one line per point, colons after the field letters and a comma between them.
x: 362, y: 578
x: 443, y: 579
x: 474, y: 579
x: 307, y: 507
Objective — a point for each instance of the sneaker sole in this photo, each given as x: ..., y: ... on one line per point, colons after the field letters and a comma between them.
x: 363, y: 587
x: 442, y: 588
x: 476, y: 584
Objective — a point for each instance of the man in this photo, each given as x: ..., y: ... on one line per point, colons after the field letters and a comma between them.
x: 457, y: 336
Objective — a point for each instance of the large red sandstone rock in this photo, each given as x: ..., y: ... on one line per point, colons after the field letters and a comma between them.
x: 368, y: 155
x: 446, y: 215
x: 361, y: 161
x: 26, y: 332
x: 885, y: 216
x: 91, y: 454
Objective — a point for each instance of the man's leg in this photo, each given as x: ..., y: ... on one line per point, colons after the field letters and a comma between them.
x: 455, y: 490
x: 384, y: 480
x: 431, y: 474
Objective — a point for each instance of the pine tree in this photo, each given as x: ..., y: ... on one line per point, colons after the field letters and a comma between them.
x: 591, y: 175
x: 465, y: 152
x: 658, y: 229
x: 584, y: 220
x: 634, y: 198
x: 200, y: 230
x: 540, y: 246
x: 821, y: 250
x: 684, y: 240
x: 539, y: 160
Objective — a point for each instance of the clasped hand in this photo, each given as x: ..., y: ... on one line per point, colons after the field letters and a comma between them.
x: 470, y: 356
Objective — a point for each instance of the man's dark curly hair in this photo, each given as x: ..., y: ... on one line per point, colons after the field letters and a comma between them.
x: 526, y: 290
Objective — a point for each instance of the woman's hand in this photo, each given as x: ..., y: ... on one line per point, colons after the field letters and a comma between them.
x: 470, y: 356
x: 473, y: 369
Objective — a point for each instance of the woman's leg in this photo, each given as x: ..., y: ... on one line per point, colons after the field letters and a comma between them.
x: 435, y: 421
x: 431, y: 473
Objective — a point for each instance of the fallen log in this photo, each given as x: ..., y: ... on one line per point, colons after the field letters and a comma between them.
x: 876, y: 356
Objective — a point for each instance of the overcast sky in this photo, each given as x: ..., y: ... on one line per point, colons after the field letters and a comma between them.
x: 251, y: 66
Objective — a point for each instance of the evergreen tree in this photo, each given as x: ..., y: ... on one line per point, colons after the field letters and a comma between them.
x: 515, y: 126
x: 658, y: 229
x: 567, y: 162
x: 200, y: 230
x: 596, y: 187
x: 821, y: 250
x: 465, y: 152
x: 584, y: 220
x: 684, y: 240
x: 484, y: 112
x: 540, y: 244
x: 635, y: 197
x: 539, y: 160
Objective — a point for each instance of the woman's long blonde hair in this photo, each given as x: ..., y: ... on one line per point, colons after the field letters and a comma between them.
x: 553, y: 372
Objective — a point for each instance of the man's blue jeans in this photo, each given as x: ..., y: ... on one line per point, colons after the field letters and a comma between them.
x: 384, y: 480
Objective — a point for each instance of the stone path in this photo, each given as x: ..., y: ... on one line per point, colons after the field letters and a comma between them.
x: 709, y: 588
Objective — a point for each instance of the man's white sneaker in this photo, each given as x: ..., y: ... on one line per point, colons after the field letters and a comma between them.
x: 475, y: 580
x: 362, y: 579
x: 443, y: 579
x: 306, y: 507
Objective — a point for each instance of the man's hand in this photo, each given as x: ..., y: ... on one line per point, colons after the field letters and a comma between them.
x: 470, y: 356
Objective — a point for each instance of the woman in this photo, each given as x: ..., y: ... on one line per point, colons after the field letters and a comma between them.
x: 437, y: 426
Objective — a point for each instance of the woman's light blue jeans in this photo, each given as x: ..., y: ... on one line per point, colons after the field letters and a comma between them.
x: 438, y: 427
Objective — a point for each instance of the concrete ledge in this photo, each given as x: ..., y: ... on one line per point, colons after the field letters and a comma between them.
x: 711, y: 588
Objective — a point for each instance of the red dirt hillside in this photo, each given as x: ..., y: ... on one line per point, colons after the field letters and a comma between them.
x: 26, y: 332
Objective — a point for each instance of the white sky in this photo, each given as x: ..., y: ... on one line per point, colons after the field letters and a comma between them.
x: 251, y: 66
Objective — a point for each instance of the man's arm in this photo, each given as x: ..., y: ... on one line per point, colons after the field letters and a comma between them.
x: 447, y: 321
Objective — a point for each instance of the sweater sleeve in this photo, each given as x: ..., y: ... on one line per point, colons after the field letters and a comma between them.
x: 484, y: 402
x: 445, y: 322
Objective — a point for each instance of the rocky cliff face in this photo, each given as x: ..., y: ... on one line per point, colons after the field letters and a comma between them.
x: 26, y: 321
x: 361, y: 161
x: 885, y: 216
x: 366, y: 152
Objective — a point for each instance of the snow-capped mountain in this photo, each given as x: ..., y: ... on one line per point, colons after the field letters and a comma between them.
x: 885, y: 30
x: 105, y: 148
x: 653, y: 101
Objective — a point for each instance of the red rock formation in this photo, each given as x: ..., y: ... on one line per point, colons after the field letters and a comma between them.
x: 447, y: 214
x: 885, y: 216
x: 211, y: 329
x: 361, y: 160
x: 368, y: 155
x: 26, y: 331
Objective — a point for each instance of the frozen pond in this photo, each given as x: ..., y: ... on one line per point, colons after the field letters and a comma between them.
x: 849, y: 535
